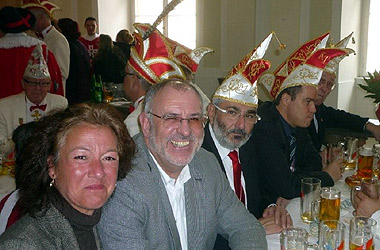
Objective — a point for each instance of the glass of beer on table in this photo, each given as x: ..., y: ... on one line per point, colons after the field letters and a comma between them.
x: 365, y: 163
x: 329, y: 204
x: 362, y: 232
x: 351, y: 152
x: 331, y: 235
x: 310, y: 190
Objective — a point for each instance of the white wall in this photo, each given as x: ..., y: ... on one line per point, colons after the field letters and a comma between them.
x: 112, y: 16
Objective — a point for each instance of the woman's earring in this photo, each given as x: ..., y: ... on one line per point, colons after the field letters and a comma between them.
x: 51, y: 183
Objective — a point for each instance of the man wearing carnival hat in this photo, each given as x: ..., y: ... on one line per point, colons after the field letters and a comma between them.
x: 56, y: 42
x: 143, y: 70
x: 34, y: 101
x: 232, y: 115
x: 15, y: 49
x: 329, y: 117
x: 283, y: 148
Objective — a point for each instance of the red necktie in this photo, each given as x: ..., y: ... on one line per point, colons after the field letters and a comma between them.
x: 42, y: 107
x: 237, y: 175
x: 131, y: 109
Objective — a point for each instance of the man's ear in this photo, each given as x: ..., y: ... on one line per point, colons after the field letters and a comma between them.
x: 211, y: 112
x: 144, y: 123
x: 286, y: 99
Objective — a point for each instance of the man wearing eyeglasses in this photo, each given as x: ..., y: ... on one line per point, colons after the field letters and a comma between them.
x: 329, y: 117
x: 176, y: 196
x: 232, y: 116
x: 34, y: 101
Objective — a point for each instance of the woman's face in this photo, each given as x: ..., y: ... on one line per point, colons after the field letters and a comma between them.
x: 87, y: 168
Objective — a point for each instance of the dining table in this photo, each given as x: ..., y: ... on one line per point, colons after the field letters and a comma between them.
x: 346, y: 214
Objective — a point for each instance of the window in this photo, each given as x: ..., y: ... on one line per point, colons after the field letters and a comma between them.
x: 373, y: 49
x: 179, y: 25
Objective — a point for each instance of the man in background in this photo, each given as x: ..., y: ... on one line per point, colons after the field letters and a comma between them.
x: 91, y: 39
x: 329, y: 117
x: 55, y: 41
x: 34, y: 102
x: 283, y: 148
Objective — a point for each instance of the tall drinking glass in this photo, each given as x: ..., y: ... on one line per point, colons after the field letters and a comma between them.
x: 310, y: 190
x: 362, y: 231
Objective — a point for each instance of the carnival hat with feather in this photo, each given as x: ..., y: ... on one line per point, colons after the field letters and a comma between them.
x: 303, y: 67
x: 155, y: 57
x: 240, y: 85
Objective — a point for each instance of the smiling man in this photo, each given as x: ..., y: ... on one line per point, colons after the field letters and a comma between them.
x: 176, y: 196
x: 283, y: 148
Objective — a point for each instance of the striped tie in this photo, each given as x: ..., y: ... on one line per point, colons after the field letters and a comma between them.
x: 293, y: 146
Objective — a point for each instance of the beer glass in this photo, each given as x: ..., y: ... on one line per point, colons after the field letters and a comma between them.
x: 335, y: 151
x: 331, y: 235
x: 330, y: 204
x: 108, y: 91
x: 362, y: 231
x: 376, y: 160
x: 350, y: 151
x: 295, y: 239
x: 310, y: 190
x: 365, y: 163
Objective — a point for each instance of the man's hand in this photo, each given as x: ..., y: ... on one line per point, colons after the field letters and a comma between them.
x: 270, y: 226
x: 334, y: 169
x: 282, y: 202
x: 374, y: 129
x: 280, y: 216
x: 365, y: 206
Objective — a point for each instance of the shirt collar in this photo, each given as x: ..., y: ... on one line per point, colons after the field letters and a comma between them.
x: 288, y: 129
x: 183, y: 177
x: 137, y: 102
x: 45, y: 31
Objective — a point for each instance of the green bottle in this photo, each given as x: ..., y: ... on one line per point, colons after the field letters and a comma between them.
x: 98, y: 95
x: 93, y: 87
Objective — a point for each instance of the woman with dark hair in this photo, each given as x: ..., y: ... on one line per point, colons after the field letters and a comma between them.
x: 78, y: 84
x: 82, y: 152
x: 110, y: 61
x: 10, y: 211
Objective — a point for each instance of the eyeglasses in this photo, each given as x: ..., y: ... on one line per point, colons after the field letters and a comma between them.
x: 35, y: 84
x: 329, y: 84
x: 234, y: 115
x: 170, y: 121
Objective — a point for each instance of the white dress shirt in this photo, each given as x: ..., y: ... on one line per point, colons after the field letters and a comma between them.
x: 176, y: 193
x: 227, y: 163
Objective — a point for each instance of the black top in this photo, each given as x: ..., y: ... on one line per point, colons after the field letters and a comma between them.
x: 248, y: 166
x: 329, y: 117
x: 82, y: 224
x: 272, y: 152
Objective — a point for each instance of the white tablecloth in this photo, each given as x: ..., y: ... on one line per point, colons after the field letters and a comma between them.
x: 345, y: 217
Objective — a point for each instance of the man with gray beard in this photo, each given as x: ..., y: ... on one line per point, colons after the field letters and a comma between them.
x: 232, y: 115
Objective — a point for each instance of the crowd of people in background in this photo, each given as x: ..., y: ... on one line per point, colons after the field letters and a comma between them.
x: 181, y: 171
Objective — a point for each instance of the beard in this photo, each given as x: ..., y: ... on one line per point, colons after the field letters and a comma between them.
x: 222, y: 135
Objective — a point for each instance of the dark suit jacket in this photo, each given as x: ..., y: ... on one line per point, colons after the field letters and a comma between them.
x: 329, y: 117
x: 139, y: 215
x: 249, y: 172
x: 272, y: 152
